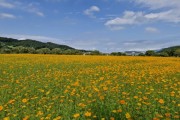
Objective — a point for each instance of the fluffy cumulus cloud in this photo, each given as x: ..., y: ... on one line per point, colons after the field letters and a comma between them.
x: 90, y: 12
x: 128, y: 18
x: 168, y: 12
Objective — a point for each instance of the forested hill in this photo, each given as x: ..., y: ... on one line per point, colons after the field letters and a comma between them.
x: 10, y: 45
x: 171, y: 51
x: 31, y: 43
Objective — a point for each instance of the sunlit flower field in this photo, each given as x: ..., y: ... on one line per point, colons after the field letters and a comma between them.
x: 55, y: 87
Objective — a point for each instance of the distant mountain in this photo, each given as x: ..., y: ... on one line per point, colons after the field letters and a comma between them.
x: 32, y: 43
x: 170, y: 50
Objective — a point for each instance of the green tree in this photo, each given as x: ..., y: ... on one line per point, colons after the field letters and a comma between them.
x: 72, y: 52
x: 116, y: 53
x: 43, y: 51
x: 2, y: 45
x: 150, y: 53
x: 19, y: 49
x: 95, y: 52
x: 141, y: 54
x: 56, y: 51
x: 164, y: 54
x: 31, y: 50
x: 177, y: 53
x: 5, y: 50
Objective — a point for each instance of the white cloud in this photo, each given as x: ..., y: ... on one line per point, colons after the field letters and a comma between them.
x: 158, y: 4
x: 169, y: 11
x: 116, y: 28
x: 17, y: 5
x: 5, y: 4
x: 6, y: 15
x: 133, y: 18
x: 140, y: 45
x: 32, y: 8
x: 143, y: 45
x: 152, y: 29
x: 128, y: 18
x: 91, y: 10
x: 40, y: 14
x: 166, y: 16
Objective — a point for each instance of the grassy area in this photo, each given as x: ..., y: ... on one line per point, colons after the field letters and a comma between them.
x: 89, y: 87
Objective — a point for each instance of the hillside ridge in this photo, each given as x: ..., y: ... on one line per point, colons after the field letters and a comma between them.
x: 32, y: 43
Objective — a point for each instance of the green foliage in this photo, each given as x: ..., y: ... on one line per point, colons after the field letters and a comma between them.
x: 43, y: 51
x: 9, y: 45
x: 57, y: 51
x: 74, y: 52
x: 5, y: 50
x: 20, y: 49
x: 31, y: 50
x: 95, y: 52
x: 48, y: 87
x: 164, y: 54
x: 2, y: 44
x: 177, y: 53
x: 170, y: 51
x: 141, y: 54
x: 116, y: 54
x: 32, y: 43
x: 150, y: 53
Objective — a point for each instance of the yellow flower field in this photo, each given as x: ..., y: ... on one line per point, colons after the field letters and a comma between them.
x: 55, y: 87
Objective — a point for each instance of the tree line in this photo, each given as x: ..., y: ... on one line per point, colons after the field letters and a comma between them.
x: 164, y: 53
x: 59, y: 51
x: 31, y: 50
x: 10, y: 46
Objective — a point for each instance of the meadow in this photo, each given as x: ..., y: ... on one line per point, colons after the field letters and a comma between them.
x: 55, y: 87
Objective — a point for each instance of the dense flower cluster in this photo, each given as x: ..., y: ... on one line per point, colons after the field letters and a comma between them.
x: 52, y: 87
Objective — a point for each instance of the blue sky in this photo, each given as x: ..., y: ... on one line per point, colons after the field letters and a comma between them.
x: 105, y: 25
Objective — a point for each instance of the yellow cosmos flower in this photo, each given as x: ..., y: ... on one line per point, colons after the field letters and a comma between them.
x: 167, y: 114
x: 161, y: 101
x: 114, y: 111
x: 57, y: 118
x: 26, y: 118
x: 76, y: 115
x: 105, y: 88
x: 112, y: 118
x: 122, y: 102
x: 87, y: 114
x: 6, y: 118
x: 1, y: 108
x: 39, y: 113
x: 135, y: 97
x: 156, y: 119
x: 128, y: 116
x: 119, y: 110
x: 24, y: 100
x: 11, y: 101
